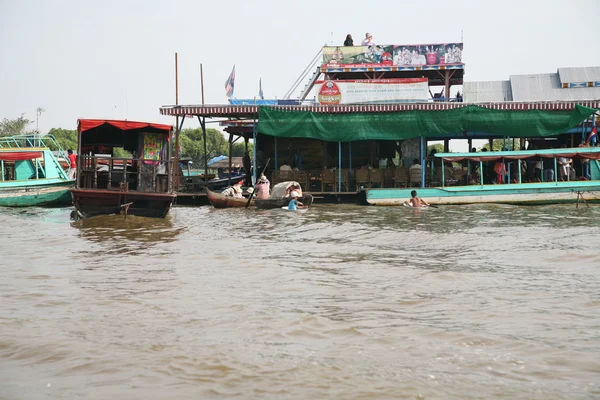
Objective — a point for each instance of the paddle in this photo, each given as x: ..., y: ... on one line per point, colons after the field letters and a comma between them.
x: 432, y: 206
x: 254, y: 187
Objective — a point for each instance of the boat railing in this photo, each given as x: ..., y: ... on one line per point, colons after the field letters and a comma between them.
x: 507, y: 167
x: 124, y: 174
x: 35, y: 140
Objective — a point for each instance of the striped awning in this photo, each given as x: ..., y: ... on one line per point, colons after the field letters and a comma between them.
x: 251, y: 111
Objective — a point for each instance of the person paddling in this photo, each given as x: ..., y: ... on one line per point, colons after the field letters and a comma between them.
x: 416, y: 201
x: 294, y: 204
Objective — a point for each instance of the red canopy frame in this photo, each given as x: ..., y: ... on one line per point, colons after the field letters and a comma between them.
x: 88, y: 124
x: 20, y: 156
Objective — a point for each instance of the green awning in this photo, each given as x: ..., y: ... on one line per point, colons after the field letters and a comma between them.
x: 348, y: 127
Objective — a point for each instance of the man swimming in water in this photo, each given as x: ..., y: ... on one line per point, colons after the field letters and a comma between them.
x: 415, y: 201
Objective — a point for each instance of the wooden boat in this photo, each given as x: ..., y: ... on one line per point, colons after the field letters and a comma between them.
x: 139, y: 185
x: 219, y: 200
x: 552, y: 192
x: 277, y: 198
x: 31, y: 176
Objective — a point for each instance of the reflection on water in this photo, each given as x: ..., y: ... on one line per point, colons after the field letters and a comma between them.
x: 469, y: 302
x: 132, y: 235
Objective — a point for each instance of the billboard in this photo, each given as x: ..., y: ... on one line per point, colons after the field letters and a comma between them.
x: 364, y: 91
x: 393, y: 55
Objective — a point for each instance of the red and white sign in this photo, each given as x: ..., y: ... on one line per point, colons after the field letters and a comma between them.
x: 364, y: 91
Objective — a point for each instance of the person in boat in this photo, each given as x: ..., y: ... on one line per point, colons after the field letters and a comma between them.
x: 565, y: 168
x: 294, y: 204
x: 72, y: 164
x: 500, y: 170
x: 234, y: 191
x: 293, y: 188
x: 415, y: 201
x: 263, y: 188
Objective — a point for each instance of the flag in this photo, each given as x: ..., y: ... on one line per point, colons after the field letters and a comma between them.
x: 230, y: 83
x: 260, y: 91
x: 592, y: 136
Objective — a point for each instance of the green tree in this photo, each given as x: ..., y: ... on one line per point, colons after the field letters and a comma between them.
x: 500, y: 144
x: 18, y: 126
x: 66, y: 138
x: 191, y: 142
x: 238, y: 149
x: 439, y: 148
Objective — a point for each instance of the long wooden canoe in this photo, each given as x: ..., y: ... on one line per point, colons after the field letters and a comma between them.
x: 219, y: 200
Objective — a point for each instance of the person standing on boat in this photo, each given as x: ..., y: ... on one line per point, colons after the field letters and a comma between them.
x: 415, y: 201
x: 294, y: 204
x: 72, y: 164
x: 263, y: 187
x: 246, y: 163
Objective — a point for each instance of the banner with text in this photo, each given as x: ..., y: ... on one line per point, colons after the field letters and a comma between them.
x: 393, y: 55
x: 363, y: 91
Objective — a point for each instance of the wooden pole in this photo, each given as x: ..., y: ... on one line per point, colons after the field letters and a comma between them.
x: 230, y: 151
x: 175, y: 166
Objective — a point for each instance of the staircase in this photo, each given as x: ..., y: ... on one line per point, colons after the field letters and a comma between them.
x: 315, y: 76
x: 315, y: 67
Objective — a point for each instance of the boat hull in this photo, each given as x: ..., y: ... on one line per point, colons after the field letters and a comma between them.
x: 90, y: 203
x: 518, y: 194
x: 269, y: 204
x: 38, y: 195
x: 219, y: 200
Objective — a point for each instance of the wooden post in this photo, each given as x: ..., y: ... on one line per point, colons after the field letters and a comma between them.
x: 447, y: 84
x: 203, y: 124
x: 230, y: 152
x: 175, y: 165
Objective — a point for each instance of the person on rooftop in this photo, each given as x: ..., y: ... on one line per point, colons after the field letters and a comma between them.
x: 368, y: 40
x: 349, y: 41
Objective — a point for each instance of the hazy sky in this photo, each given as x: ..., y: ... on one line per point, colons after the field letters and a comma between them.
x: 115, y: 59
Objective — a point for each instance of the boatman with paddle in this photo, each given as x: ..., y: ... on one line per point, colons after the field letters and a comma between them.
x: 415, y: 201
x: 294, y: 204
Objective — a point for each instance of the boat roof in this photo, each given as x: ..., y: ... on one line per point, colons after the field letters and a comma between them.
x: 85, y: 125
x: 579, y: 152
x: 280, y: 188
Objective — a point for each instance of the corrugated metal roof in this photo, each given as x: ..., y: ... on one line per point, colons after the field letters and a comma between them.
x: 227, y: 110
x: 547, y: 87
x: 476, y: 92
x: 579, y: 75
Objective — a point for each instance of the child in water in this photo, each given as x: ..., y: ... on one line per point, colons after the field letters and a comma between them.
x: 415, y: 201
x: 294, y: 204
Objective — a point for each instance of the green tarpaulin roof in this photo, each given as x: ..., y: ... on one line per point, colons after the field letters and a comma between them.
x: 415, y: 123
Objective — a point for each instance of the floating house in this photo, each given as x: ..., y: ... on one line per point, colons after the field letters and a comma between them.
x: 376, y: 108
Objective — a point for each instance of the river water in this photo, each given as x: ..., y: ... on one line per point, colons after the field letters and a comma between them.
x: 340, y: 302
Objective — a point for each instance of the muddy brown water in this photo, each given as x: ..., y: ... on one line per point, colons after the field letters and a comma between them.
x: 340, y: 302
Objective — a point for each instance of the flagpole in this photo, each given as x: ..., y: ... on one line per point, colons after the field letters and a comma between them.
x: 202, y: 83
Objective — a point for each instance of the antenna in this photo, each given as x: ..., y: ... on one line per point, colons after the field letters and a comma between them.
x: 38, y: 112
x: 331, y: 39
x: 461, y: 35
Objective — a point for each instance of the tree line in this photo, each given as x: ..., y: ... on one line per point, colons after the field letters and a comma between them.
x: 191, y: 141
